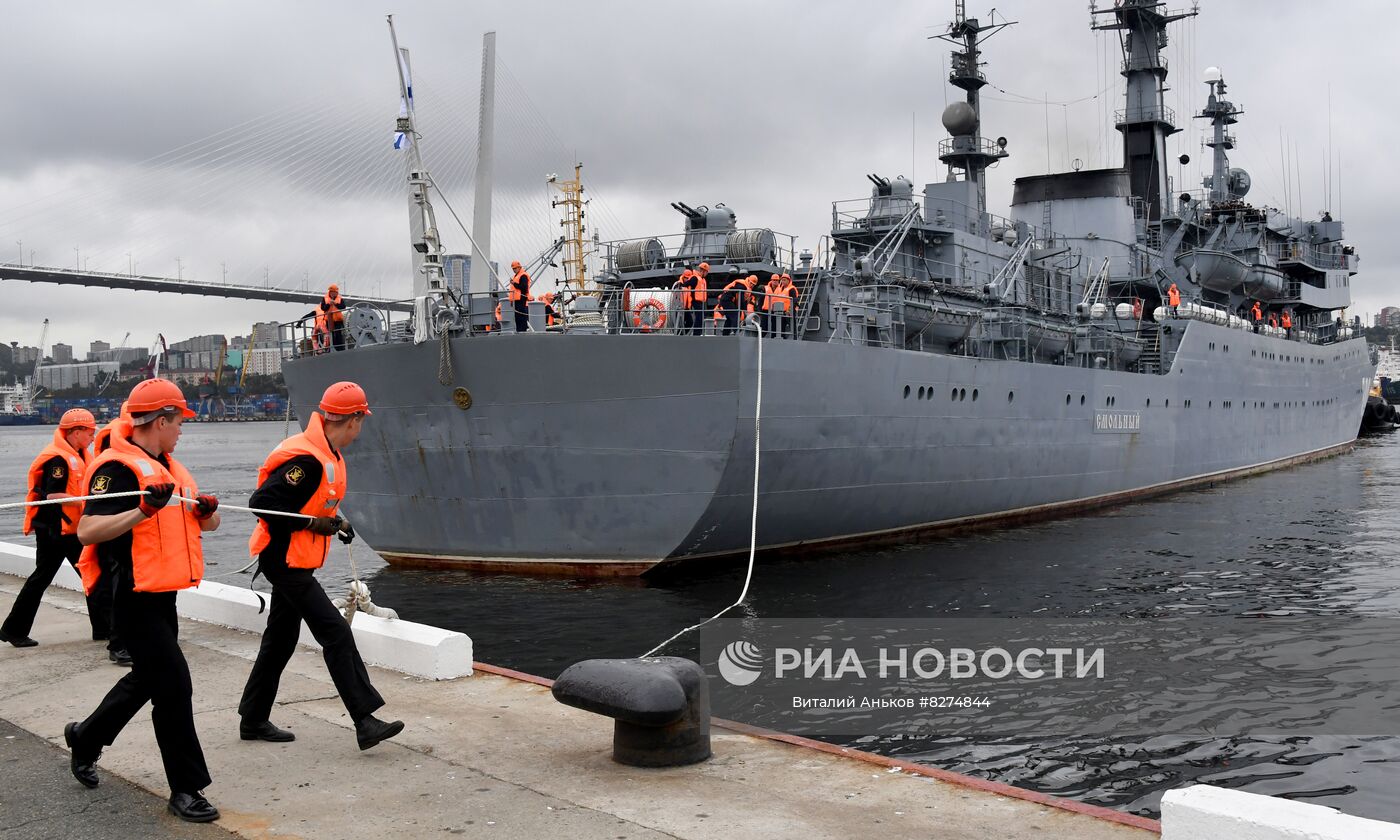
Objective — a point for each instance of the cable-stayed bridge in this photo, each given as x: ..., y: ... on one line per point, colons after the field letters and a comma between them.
x: 283, y: 203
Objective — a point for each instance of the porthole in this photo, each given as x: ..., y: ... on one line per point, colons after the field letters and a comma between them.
x: 1167, y: 403
x: 906, y: 392
x: 974, y: 395
x: 921, y: 392
x: 1010, y: 396
x: 962, y: 394
x: 1149, y: 402
x: 1081, y: 399
x: 1066, y: 399
x: 953, y: 397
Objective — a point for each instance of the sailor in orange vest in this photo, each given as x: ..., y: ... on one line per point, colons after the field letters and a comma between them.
x: 154, y: 549
x: 1173, y: 298
x: 520, y: 296
x: 548, y: 300
x: 736, y: 301
x: 782, y: 297
x: 764, y: 305
x: 1257, y: 315
x: 57, y: 473
x: 332, y: 308
x: 94, y: 580
x: 306, y: 474
x: 687, y: 287
x: 698, y: 297
x: 1286, y: 321
x: 1273, y: 319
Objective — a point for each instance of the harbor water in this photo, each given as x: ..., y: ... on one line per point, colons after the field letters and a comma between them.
x: 1316, y: 544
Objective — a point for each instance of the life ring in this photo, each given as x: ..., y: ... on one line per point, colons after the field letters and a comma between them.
x: 649, y: 324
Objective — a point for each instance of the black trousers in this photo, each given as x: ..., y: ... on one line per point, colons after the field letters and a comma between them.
x: 297, y: 596
x: 522, y: 315
x: 159, y: 674
x: 49, y: 554
x: 338, y: 335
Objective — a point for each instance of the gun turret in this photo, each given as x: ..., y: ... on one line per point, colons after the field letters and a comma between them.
x: 687, y: 211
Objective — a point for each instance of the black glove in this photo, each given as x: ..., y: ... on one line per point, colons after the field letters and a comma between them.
x: 157, y: 496
x: 204, y: 505
x: 323, y: 526
x: 347, y: 533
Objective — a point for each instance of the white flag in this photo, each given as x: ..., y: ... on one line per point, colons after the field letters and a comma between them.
x: 401, y: 139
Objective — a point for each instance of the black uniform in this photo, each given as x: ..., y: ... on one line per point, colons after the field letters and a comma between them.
x: 148, y: 626
x: 521, y: 304
x: 52, y: 548
x: 297, y: 596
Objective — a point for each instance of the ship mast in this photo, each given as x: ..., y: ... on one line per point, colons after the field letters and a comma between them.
x: 1145, y: 120
x: 423, y: 231
x: 1223, y: 183
x: 967, y: 150
x: 575, y: 246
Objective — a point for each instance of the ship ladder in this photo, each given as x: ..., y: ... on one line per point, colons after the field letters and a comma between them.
x: 1151, y: 361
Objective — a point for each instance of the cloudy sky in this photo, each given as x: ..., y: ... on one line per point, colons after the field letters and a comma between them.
x: 252, y: 139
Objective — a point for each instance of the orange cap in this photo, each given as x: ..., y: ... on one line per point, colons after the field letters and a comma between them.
x: 154, y: 395
x: 77, y: 418
x: 345, y: 398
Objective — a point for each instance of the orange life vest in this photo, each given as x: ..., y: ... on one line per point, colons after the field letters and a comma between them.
x: 1258, y: 316
x: 1173, y: 295
x: 167, y: 552
x: 77, y: 463
x: 548, y: 300
x: 1287, y: 321
x: 780, y: 297
x: 701, y: 290
x: 333, y: 307
x: 305, y: 549
x: 520, y: 286
x: 120, y: 427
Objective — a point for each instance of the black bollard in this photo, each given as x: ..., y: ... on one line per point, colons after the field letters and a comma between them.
x: 661, y: 707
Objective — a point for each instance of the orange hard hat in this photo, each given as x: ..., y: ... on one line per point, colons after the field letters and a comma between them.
x: 704, y: 266
x: 156, y: 394
x: 787, y: 276
x: 515, y: 263
x: 752, y: 278
x: 334, y: 288
x: 345, y: 398
x: 687, y: 273
x: 77, y: 418
x: 775, y: 277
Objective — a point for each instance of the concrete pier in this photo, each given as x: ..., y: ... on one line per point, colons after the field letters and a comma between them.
x: 490, y: 755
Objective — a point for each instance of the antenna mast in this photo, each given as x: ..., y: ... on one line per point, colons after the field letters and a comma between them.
x: 967, y: 149
x: 427, y: 246
x: 575, y: 245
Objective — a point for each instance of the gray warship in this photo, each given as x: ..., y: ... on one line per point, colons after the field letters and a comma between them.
x: 947, y: 366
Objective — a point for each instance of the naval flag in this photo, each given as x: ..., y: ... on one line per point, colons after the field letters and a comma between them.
x: 401, y: 138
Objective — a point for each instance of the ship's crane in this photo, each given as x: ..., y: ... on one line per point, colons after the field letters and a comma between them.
x: 34, y: 388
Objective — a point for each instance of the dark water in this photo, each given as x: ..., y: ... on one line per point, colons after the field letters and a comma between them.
x: 1316, y: 543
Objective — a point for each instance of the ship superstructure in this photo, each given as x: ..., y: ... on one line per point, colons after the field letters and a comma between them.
x: 948, y: 365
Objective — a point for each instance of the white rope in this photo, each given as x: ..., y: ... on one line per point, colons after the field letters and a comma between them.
x: 222, y: 506
x: 753, y: 520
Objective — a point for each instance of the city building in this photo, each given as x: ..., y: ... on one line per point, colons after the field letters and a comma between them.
x: 24, y: 355
x: 62, y: 354
x: 75, y: 375
x: 265, y: 334
x: 1388, y: 317
x: 264, y: 361
x: 96, y: 351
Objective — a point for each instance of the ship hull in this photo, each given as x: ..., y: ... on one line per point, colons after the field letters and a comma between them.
x: 612, y: 454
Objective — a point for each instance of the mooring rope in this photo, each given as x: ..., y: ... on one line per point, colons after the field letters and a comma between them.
x: 753, y: 520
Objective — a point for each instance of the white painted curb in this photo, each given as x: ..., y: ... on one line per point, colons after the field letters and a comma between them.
x: 1203, y: 812
x: 403, y: 646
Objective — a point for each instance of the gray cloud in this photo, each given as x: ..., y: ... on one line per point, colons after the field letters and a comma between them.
x: 776, y: 108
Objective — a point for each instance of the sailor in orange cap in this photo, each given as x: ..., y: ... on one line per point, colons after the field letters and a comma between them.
x: 306, y: 474
x: 520, y: 296
x: 154, y: 550
x: 330, y: 313
x: 56, y: 473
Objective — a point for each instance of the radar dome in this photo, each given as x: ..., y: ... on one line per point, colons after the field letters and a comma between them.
x: 1212, y: 74
x: 1239, y: 182
x: 959, y: 119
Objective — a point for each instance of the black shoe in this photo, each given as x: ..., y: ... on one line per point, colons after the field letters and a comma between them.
x: 17, y: 641
x: 264, y: 731
x: 121, y: 657
x: 192, y: 807
x: 372, y: 730
x: 80, y: 763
